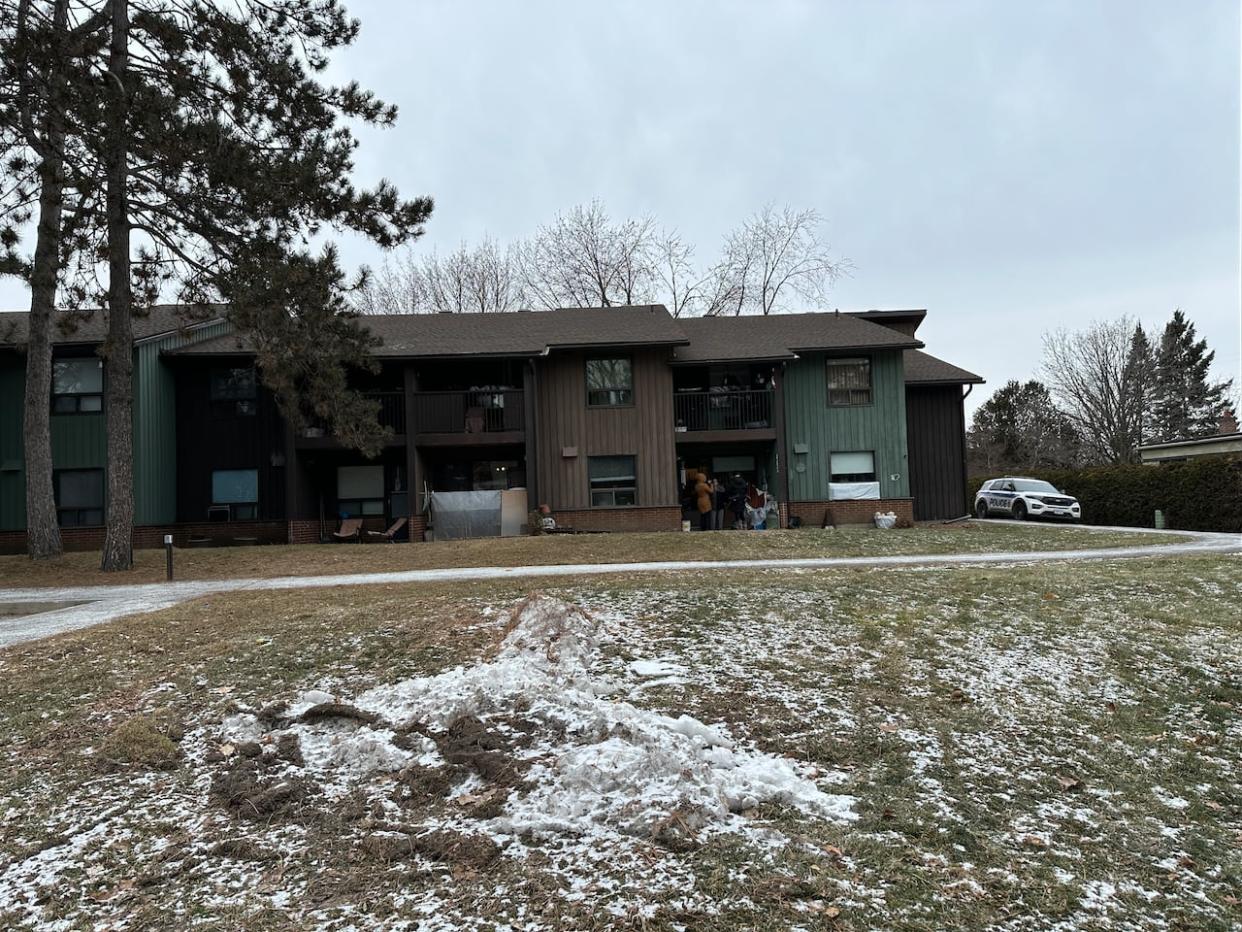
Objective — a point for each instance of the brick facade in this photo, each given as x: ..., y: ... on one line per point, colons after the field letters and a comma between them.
x: 658, y: 518
x: 418, y: 529
x: 860, y: 511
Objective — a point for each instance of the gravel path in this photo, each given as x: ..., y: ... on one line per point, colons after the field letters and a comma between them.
x: 98, y: 604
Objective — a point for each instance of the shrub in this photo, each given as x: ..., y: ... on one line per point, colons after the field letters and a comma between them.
x: 1203, y: 494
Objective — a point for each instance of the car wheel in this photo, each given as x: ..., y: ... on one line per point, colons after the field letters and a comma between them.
x: 981, y: 509
x: 1019, y: 511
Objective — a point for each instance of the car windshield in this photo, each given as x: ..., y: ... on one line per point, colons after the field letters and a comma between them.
x: 1033, y: 485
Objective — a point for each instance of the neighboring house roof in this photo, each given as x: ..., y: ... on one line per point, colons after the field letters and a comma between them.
x: 925, y: 369
x: 782, y: 336
x: 530, y: 333
x: 92, y: 326
x: 1182, y: 449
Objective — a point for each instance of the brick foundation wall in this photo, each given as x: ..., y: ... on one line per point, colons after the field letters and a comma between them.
x: 304, y: 531
x: 860, y: 511
x: 418, y: 529
x: 621, y: 519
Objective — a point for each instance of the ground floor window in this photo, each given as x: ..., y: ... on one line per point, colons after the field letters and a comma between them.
x: 79, y: 497
x: 613, y: 480
x: 360, y: 491
x: 234, y: 495
x: 858, y: 466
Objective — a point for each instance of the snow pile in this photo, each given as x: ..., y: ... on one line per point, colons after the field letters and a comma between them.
x: 590, y: 763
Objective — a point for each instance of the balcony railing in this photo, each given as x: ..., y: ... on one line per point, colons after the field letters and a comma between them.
x: 471, y: 412
x: 392, y: 409
x: 391, y: 414
x: 726, y: 409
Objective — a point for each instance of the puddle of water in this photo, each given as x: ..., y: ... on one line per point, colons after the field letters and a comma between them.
x: 21, y: 609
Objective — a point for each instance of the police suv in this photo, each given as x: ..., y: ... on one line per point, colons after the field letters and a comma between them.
x: 1025, y: 498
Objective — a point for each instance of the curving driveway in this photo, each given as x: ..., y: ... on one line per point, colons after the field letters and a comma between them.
x: 92, y: 605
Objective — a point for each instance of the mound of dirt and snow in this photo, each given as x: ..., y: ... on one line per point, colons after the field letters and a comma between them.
x: 533, y: 731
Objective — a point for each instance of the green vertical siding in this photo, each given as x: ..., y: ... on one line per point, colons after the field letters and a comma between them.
x: 12, y: 471
x: 879, y: 427
x: 79, y: 441
x: 155, y: 426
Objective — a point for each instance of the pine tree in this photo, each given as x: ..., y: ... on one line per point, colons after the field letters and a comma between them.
x: 1019, y: 427
x: 1187, y: 404
x: 211, y: 140
x: 40, y: 46
x: 1139, y: 384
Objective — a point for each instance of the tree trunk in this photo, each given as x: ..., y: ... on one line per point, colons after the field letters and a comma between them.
x: 118, y: 551
x: 42, y: 526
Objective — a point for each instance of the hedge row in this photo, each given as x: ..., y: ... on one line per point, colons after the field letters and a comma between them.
x: 1202, y: 494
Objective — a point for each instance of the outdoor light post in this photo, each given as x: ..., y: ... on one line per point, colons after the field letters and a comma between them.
x: 168, y: 554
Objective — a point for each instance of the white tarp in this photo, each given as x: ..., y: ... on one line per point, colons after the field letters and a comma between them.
x: 846, y: 491
x: 493, y: 513
x: 455, y: 515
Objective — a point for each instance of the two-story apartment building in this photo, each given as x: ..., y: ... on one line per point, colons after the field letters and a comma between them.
x: 599, y: 413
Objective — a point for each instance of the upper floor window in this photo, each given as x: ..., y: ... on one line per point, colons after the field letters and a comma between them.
x: 79, y: 497
x: 234, y: 494
x: 233, y: 391
x: 77, y: 386
x: 849, y: 381
x: 613, y: 480
x: 610, y: 382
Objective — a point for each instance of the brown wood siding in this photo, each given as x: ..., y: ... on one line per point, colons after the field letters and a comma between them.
x: 643, y: 430
x: 935, y: 428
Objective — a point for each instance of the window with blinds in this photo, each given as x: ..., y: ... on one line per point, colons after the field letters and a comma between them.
x: 849, y: 381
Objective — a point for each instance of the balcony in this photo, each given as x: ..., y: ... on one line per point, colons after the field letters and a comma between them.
x: 391, y: 414
x: 476, y: 416
x: 724, y: 410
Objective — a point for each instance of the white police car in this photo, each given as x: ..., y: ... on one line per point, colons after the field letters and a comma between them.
x: 1025, y: 498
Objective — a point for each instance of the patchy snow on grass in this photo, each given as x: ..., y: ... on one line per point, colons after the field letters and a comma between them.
x: 596, y: 763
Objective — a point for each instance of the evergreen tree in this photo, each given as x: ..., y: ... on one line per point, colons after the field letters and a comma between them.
x: 211, y: 140
x: 1187, y: 404
x: 1139, y: 383
x: 1020, y: 428
x: 40, y: 65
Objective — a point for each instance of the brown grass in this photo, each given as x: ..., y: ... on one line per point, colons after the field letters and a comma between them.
x: 81, y: 569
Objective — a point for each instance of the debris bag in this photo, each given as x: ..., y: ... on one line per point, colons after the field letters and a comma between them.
x: 885, y: 521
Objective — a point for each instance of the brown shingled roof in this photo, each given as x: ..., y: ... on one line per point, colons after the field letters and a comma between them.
x: 529, y: 333
x: 922, y: 368
x: 783, y: 336
x: 91, y: 327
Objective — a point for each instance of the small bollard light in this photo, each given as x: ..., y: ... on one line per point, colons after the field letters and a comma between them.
x: 168, y: 554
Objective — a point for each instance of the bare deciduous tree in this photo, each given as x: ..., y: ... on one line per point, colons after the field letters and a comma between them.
x: 773, y: 253
x: 485, y: 279
x: 1091, y: 376
x: 583, y: 259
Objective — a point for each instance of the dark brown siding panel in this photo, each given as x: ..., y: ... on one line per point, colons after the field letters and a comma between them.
x: 206, y: 443
x: 644, y: 430
x: 935, y: 427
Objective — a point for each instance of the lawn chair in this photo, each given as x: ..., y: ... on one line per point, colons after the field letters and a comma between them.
x: 389, y: 536
x: 351, y: 528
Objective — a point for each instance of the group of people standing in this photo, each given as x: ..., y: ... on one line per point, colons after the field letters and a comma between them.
x: 720, y: 505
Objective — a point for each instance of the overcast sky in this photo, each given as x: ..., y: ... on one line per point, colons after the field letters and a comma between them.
x: 1010, y: 167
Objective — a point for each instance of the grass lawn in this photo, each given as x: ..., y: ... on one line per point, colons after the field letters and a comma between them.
x: 1032, y: 747
x: 317, y: 560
